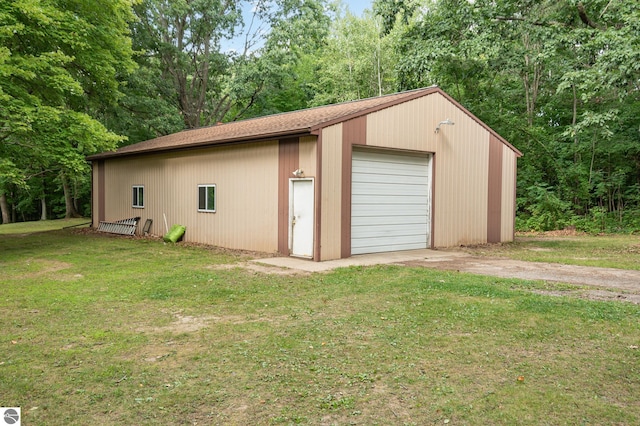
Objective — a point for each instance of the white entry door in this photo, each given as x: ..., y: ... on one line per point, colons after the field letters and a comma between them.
x: 301, y: 211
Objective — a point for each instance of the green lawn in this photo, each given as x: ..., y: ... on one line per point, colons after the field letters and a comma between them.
x: 608, y: 251
x: 42, y: 226
x: 114, y: 330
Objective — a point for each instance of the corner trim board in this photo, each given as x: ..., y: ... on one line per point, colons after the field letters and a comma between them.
x: 494, y: 198
x: 354, y: 132
x: 288, y: 161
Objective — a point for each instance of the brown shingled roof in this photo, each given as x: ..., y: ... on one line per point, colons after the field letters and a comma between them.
x: 295, y: 123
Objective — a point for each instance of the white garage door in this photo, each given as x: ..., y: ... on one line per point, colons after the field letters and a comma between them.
x: 390, y: 202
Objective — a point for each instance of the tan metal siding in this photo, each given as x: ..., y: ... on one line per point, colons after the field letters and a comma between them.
x: 96, y: 166
x: 508, y: 193
x: 494, y: 216
x: 461, y: 152
x: 462, y: 186
x: 287, y: 162
x: 307, y: 152
x: 354, y: 133
x: 246, y: 178
x: 101, y: 183
x: 331, y: 196
x: 408, y: 126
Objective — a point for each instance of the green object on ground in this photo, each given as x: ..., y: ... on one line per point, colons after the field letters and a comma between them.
x: 175, y: 233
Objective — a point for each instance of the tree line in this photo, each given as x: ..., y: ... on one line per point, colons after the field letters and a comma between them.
x: 558, y: 79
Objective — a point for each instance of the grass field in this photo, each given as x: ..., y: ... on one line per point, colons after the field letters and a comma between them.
x: 42, y: 226
x: 113, y: 330
x: 607, y: 251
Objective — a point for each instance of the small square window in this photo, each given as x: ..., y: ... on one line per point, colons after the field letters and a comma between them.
x: 207, y: 198
x: 138, y: 196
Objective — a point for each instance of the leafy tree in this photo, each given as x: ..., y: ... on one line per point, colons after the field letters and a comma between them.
x: 288, y: 58
x: 148, y: 107
x: 184, y: 36
x: 212, y: 85
x: 357, y: 61
x: 59, y: 61
x: 558, y: 79
x: 65, y: 64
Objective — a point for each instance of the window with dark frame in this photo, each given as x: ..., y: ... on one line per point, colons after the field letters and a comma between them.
x: 138, y: 196
x: 207, y: 198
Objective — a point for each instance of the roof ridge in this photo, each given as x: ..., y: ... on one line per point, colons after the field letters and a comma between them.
x: 283, y: 113
x: 308, y: 121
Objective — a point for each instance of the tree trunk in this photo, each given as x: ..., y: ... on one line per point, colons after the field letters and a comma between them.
x: 531, y: 78
x: 71, y: 211
x: 43, y: 204
x: 379, y: 72
x: 576, y: 151
x: 4, y: 206
x: 76, y: 201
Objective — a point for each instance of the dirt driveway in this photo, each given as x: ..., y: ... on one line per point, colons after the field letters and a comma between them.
x: 596, y: 283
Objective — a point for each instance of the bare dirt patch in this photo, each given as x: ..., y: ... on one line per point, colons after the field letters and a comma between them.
x: 611, y: 284
x: 191, y: 324
x: 260, y: 268
x: 44, y: 267
x: 568, y: 232
x: 392, y: 401
x: 183, y: 324
x: 593, y: 295
x: 275, y: 270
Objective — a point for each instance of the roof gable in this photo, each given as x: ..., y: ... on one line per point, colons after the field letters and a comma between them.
x: 302, y: 122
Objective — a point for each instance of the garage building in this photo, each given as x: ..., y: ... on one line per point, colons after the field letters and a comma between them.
x: 398, y: 172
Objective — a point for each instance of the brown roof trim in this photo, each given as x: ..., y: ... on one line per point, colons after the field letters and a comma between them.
x: 419, y: 93
x: 199, y: 145
x: 412, y: 94
x: 287, y: 124
x: 305, y: 122
x: 480, y: 122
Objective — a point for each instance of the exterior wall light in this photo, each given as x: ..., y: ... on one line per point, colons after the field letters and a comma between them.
x: 447, y: 121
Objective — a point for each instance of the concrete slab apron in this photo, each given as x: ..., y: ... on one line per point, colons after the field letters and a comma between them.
x: 618, y: 279
x: 361, y: 260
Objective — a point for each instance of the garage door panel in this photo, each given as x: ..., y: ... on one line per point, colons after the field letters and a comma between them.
x: 386, y: 185
x: 384, y: 244
x: 390, y: 202
x: 388, y: 157
x: 378, y: 198
x: 387, y: 210
x: 364, y: 179
x: 361, y: 194
x: 390, y: 231
x: 365, y: 220
x: 387, y: 248
x: 393, y: 240
x: 388, y: 169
